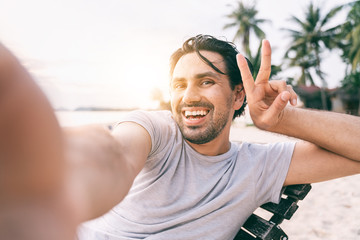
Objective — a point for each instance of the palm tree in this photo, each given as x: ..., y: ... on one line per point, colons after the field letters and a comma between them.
x: 350, y: 45
x: 245, y: 20
x: 303, y: 59
x: 255, y: 59
x: 310, y: 41
x: 350, y: 37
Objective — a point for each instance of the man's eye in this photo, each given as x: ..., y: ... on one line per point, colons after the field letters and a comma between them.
x: 207, y: 82
x: 179, y: 85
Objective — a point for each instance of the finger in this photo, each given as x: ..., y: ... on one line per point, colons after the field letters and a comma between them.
x: 278, y: 85
x: 245, y: 72
x: 279, y: 103
x: 293, y: 95
x: 265, y: 66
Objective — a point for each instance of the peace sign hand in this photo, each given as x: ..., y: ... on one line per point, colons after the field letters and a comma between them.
x: 266, y: 99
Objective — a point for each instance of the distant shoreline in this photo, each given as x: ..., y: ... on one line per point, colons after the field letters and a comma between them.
x: 95, y: 109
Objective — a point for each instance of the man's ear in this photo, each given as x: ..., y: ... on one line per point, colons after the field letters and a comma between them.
x: 239, y: 92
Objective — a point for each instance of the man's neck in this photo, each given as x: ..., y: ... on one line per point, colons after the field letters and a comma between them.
x: 208, y: 149
x: 219, y: 145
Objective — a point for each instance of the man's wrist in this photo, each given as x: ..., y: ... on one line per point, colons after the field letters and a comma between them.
x: 283, y: 124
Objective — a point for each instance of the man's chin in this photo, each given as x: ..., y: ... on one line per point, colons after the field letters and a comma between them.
x: 194, y: 134
x: 197, y: 141
x: 198, y: 138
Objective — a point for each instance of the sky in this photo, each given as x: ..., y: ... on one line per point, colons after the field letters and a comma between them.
x: 114, y: 53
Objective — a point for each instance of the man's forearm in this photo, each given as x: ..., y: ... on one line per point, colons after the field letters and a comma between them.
x: 31, y: 160
x: 99, y: 175
x: 32, y: 166
x: 338, y: 133
x: 40, y: 163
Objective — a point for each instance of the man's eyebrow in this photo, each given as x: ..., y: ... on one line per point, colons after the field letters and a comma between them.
x: 177, y: 79
x: 197, y: 76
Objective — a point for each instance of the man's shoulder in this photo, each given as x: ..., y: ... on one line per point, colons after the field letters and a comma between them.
x: 157, y: 123
x: 152, y: 114
x: 148, y: 117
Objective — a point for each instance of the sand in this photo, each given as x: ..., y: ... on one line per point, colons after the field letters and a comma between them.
x: 331, y: 210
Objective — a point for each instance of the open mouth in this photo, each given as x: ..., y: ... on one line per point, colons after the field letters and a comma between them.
x: 195, y: 115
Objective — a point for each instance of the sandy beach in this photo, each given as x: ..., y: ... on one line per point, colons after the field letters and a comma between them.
x: 331, y: 210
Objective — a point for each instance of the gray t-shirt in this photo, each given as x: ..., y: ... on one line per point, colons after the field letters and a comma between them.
x: 181, y: 194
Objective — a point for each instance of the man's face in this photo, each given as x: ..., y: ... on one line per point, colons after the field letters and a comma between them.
x: 201, y: 98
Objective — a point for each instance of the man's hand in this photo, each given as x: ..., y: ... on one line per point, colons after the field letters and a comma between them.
x: 266, y: 99
x: 331, y: 146
x: 33, y: 202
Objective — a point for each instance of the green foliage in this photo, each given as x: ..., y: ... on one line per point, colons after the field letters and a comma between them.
x: 349, y: 43
x: 245, y: 21
x: 255, y: 59
x: 351, y: 83
x: 349, y: 40
x: 309, y: 41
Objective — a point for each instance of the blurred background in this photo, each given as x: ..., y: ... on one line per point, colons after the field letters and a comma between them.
x: 98, y: 59
x: 113, y: 54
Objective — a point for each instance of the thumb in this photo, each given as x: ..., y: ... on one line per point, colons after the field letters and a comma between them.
x: 279, y: 103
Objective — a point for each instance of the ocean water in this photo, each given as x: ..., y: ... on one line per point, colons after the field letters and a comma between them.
x: 77, y: 118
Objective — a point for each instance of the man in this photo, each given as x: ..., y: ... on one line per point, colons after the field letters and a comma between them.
x: 162, y: 175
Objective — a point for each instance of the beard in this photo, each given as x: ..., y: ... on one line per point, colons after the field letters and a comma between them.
x: 203, y: 134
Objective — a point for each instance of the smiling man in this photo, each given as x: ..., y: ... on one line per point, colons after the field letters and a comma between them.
x: 176, y: 175
x: 202, y: 100
x: 203, y: 97
x: 192, y: 182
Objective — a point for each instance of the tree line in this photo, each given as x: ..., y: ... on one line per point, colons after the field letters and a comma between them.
x: 310, y: 38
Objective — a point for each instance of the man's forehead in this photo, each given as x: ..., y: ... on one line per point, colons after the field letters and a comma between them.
x: 213, y: 57
x: 192, y: 62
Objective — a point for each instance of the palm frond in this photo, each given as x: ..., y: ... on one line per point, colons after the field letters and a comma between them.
x: 229, y: 25
x: 331, y: 14
x: 244, y: 20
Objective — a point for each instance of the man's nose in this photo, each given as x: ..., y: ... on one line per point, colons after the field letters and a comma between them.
x: 191, y: 94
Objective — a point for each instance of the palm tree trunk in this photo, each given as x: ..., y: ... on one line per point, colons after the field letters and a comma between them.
x: 246, y: 41
x: 323, y: 83
x: 323, y: 98
x: 302, y: 79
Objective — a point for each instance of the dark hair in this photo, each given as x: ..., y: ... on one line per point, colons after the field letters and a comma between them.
x: 226, y: 49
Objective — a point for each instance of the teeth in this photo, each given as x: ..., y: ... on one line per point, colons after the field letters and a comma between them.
x: 195, y: 113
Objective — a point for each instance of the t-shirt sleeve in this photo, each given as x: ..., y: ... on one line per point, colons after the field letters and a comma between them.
x: 156, y: 124
x: 273, y: 170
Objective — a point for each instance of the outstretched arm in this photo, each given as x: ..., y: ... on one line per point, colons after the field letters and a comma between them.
x: 53, y: 179
x: 332, y: 139
x: 103, y: 165
x: 31, y: 142
x: 32, y: 166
